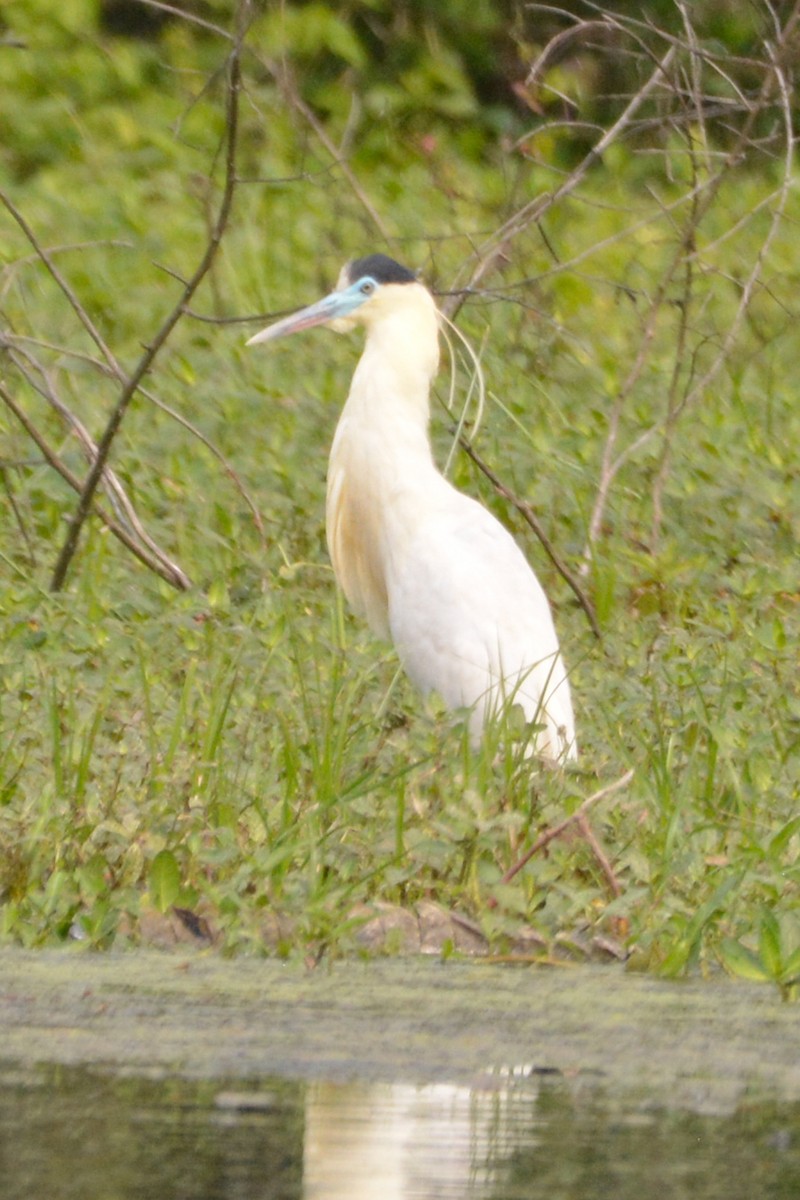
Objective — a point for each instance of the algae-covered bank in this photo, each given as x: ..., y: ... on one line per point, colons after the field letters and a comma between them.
x: 695, y: 1042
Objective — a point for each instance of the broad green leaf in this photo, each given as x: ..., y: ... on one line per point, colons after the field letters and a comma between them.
x: 164, y: 880
x: 742, y: 962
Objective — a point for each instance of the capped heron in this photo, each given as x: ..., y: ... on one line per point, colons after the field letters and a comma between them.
x: 425, y: 564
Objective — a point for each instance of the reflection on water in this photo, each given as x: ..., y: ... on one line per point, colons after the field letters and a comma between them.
x: 397, y: 1140
x: 66, y: 1134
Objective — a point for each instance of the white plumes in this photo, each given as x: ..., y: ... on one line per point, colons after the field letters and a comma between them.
x: 477, y: 386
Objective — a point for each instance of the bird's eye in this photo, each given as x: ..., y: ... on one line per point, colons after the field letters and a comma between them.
x: 367, y: 287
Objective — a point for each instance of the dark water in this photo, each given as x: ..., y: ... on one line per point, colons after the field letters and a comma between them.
x: 70, y: 1133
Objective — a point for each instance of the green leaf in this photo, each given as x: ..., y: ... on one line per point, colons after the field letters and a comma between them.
x: 740, y: 961
x: 781, y: 839
x: 310, y: 31
x: 164, y: 880
x: 705, y: 916
x: 91, y: 877
x: 770, y: 944
x: 791, y: 968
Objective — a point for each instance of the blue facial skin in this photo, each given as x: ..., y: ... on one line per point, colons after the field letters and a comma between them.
x: 355, y: 295
x: 337, y: 304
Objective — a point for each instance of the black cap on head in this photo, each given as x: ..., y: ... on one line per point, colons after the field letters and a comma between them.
x: 381, y: 268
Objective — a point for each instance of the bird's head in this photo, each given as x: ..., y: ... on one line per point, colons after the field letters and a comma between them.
x: 366, y: 288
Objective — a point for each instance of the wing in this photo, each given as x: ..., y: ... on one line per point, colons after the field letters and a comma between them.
x: 470, y: 620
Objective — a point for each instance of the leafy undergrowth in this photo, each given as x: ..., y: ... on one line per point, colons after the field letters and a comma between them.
x: 244, y: 752
x: 253, y: 757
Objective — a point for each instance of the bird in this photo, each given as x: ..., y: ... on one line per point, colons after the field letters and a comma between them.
x: 428, y: 566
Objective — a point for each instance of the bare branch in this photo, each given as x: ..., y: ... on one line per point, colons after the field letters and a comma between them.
x: 603, y: 861
x: 46, y: 258
x: 702, y: 198
x: 118, y: 497
x: 152, y: 350
x: 173, y: 414
x: 6, y: 478
x: 234, y: 477
x: 159, y: 564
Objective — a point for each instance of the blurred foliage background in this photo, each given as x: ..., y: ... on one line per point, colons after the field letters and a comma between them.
x: 410, y: 64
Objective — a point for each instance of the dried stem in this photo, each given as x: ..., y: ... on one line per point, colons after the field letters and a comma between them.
x: 49, y: 393
x: 174, y: 10
x: 46, y: 258
x: 555, y: 831
x: 9, y: 490
x: 603, y: 861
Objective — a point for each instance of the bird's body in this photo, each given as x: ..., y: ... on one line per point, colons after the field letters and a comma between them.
x: 423, y: 563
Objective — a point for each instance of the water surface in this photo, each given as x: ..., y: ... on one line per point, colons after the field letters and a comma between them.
x: 68, y: 1133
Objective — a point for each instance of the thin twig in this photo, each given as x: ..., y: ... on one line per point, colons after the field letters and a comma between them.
x: 194, y: 430
x: 612, y: 461
x: 5, y: 475
x: 686, y: 252
x: 492, y: 250
x: 173, y: 10
x: 556, y: 45
x: 555, y: 831
x: 212, y: 448
x: 46, y: 258
x: 284, y: 78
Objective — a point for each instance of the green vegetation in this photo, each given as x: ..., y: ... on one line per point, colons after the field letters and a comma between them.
x: 243, y: 748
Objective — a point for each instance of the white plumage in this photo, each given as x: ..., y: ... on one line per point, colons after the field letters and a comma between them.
x: 422, y: 562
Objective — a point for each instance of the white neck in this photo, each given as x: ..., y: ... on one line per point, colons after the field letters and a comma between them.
x: 380, y: 464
